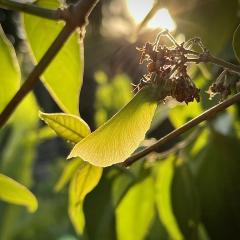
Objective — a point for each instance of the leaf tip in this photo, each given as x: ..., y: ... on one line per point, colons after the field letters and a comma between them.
x: 34, y: 206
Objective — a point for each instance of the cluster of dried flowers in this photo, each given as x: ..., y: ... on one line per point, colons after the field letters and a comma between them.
x: 224, y: 85
x: 167, y: 69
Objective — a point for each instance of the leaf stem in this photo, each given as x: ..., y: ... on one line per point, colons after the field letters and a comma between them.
x: 210, y: 113
x: 33, y: 9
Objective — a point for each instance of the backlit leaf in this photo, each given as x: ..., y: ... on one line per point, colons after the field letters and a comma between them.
x: 236, y: 43
x: 164, y: 177
x: 182, y: 113
x: 10, y: 72
x: 63, y: 77
x: 116, y: 140
x: 84, y: 181
x: 68, y: 172
x: 76, y: 215
x: 70, y: 127
x: 135, y: 213
x: 13, y: 192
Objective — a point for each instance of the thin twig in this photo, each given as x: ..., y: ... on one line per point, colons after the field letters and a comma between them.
x: 176, y: 148
x: 209, y: 58
x: 227, y: 65
x: 210, y: 113
x: 32, y: 9
x: 179, y: 146
x: 78, y: 18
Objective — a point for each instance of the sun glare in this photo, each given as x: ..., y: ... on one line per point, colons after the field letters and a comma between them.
x: 162, y: 19
x: 138, y: 9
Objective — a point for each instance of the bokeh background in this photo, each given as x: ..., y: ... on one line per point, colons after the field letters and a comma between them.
x: 199, y: 187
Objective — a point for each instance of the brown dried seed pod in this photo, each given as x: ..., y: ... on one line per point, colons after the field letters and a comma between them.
x: 151, y: 67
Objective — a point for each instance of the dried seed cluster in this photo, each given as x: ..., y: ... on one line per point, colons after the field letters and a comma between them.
x: 167, y: 69
x: 224, y: 85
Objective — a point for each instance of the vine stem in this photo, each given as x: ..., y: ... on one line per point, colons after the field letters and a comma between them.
x: 210, y: 113
x: 77, y: 16
x: 32, y: 9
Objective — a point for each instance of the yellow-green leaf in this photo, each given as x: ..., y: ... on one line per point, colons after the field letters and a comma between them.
x: 68, y: 126
x: 135, y: 213
x: 63, y: 77
x: 181, y: 113
x: 68, y: 172
x: 84, y: 181
x: 236, y: 43
x: 13, y: 192
x: 116, y: 140
x: 76, y: 215
x: 10, y: 72
x: 163, y: 184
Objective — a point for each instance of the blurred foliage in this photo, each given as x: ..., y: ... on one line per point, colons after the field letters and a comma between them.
x: 193, y: 194
x: 236, y: 44
x: 111, y: 95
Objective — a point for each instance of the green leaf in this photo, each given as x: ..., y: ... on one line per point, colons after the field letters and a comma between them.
x: 76, y: 215
x: 9, y: 69
x: 13, y: 192
x: 84, y: 181
x: 185, y: 202
x: 68, y: 172
x: 116, y: 140
x: 135, y: 213
x: 218, y: 183
x: 70, y: 127
x: 182, y: 113
x: 236, y: 43
x: 63, y: 77
x: 163, y: 183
